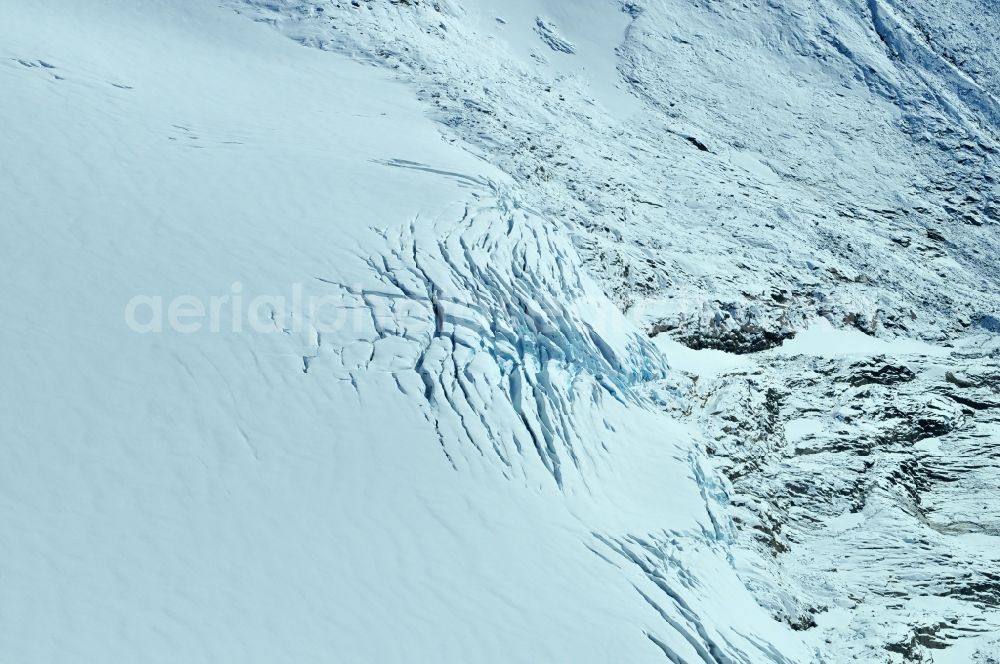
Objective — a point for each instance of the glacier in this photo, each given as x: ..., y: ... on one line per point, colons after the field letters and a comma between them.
x: 536, y: 331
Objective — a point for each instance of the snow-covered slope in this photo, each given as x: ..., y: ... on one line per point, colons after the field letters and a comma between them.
x: 452, y: 457
x: 786, y: 159
x: 467, y: 335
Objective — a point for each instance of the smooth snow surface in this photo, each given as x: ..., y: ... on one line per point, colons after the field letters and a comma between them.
x: 823, y: 340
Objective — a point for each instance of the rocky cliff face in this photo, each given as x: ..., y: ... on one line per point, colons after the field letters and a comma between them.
x: 869, y: 484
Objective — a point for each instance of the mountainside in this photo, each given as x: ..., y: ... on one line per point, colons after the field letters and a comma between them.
x: 537, y: 331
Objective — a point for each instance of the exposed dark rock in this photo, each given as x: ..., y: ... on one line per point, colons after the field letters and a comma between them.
x: 867, y: 374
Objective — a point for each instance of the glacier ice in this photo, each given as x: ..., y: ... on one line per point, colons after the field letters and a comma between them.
x: 651, y: 331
